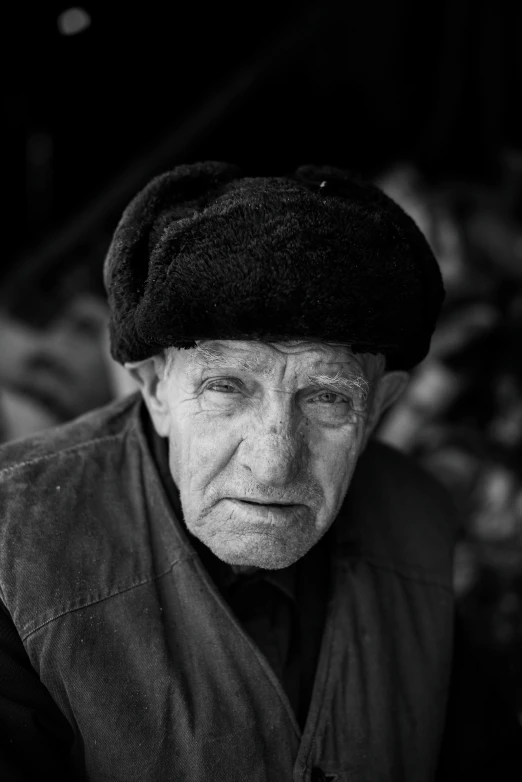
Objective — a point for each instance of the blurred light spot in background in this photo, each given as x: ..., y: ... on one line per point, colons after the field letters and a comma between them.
x: 73, y: 21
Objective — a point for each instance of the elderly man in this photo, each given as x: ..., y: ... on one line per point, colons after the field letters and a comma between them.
x: 223, y: 577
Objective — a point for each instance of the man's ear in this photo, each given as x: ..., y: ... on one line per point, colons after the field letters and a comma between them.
x: 151, y: 378
x: 387, y: 390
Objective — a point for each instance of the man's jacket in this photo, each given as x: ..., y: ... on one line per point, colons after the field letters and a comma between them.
x: 151, y: 676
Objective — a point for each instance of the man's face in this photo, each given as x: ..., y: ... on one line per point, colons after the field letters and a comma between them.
x: 264, y: 439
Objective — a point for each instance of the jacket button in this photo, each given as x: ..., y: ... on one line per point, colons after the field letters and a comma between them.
x: 318, y: 774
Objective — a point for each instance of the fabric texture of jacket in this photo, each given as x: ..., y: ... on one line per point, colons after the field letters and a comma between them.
x: 149, y: 669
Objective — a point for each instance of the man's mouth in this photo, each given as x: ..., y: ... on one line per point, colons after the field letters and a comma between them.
x: 270, y: 503
x: 262, y: 511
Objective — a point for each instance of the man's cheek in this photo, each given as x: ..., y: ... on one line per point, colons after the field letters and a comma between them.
x: 334, y: 461
x: 208, y: 448
x: 211, y: 447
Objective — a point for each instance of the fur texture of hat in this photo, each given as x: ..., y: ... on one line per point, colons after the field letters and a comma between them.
x: 203, y: 252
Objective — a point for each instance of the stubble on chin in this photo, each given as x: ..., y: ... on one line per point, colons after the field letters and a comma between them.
x: 240, y: 542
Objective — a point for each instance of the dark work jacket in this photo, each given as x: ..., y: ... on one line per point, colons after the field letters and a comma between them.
x: 151, y: 676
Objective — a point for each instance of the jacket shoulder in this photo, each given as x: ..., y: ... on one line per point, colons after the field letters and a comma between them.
x: 106, y: 422
x: 75, y: 503
x: 400, y: 515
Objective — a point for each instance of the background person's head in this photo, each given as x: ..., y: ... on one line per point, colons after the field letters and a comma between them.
x: 270, y: 322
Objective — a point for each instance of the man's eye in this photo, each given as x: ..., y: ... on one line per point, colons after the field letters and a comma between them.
x: 223, y: 387
x: 329, y: 398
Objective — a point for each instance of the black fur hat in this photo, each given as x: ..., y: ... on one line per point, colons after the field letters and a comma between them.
x: 205, y: 253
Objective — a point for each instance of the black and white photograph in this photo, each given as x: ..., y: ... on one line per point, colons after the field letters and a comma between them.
x: 261, y: 392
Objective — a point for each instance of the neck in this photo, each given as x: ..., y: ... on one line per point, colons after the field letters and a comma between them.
x: 244, y: 569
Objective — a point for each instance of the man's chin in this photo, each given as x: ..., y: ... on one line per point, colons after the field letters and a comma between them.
x: 248, y: 538
x: 254, y: 554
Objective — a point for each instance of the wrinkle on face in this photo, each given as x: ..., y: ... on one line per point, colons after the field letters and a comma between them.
x: 265, y: 440
x: 207, y: 354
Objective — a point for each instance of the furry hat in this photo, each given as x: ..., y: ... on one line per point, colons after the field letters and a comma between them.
x: 205, y: 253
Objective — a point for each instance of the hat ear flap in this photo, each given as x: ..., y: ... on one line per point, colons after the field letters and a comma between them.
x: 173, y: 191
x: 167, y: 197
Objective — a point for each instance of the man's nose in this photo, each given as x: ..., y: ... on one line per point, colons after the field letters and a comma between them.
x: 273, y: 452
x: 272, y: 459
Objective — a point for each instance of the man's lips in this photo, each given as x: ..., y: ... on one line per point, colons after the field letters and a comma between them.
x: 256, y: 501
x: 264, y: 509
x: 282, y: 515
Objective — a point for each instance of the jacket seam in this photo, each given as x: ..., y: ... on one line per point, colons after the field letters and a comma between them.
x: 63, y: 451
x: 146, y: 581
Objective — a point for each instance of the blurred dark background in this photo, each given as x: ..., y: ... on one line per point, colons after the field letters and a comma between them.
x: 424, y: 99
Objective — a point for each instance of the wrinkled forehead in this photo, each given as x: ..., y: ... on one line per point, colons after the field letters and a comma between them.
x: 263, y: 357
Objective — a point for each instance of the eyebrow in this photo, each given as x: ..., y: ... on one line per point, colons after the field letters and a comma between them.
x: 355, y: 384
